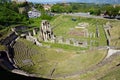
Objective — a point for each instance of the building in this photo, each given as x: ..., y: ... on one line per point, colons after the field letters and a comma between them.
x: 34, y: 13
x: 47, y: 7
x: 20, y: 1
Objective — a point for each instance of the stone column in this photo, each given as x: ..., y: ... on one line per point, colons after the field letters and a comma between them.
x: 75, y: 43
x: 85, y: 44
x: 90, y: 35
x: 67, y: 41
x: 91, y: 43
x: 45, y: 37
x: 34, y: 32
x: 60, y: 40
x: 29, y: 33
x: 97, y: 32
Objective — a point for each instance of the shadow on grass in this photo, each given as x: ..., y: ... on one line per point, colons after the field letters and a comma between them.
x: 6, y: 75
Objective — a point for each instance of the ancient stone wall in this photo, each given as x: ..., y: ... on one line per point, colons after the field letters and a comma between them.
x: 10, y: 38
x: 7, y: 55
x: 46, y: 31
x: 33, y: 40
x: 107, y: 28
x: 70, y: 41
x: 47, y: 35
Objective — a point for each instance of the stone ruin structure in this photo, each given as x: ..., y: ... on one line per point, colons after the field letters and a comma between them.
x: 46, y: 34
x: 46, y: 31
x: 107, y: 28
x: 97, y: 32
x: 82, y: 25
x: 27, y: 34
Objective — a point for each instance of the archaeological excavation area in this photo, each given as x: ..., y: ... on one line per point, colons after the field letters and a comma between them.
x: 65, y: 49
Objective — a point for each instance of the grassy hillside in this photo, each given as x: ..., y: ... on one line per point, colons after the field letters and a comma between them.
x: 43, y: 60
x: 107, y: 70
x: 112, y: 75
x: 65, y: 62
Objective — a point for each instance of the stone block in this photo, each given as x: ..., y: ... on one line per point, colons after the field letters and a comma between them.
x: 67, y: 41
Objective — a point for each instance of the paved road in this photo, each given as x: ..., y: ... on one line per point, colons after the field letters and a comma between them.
x: 85, y: 15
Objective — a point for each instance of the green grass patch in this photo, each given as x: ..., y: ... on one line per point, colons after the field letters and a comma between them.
x: 64, y: 46
x: 63, y: 24
x: 35, y: 22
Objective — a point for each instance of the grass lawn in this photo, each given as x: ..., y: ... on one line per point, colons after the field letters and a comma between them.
x: 63, y: 25
x: 64, y: 46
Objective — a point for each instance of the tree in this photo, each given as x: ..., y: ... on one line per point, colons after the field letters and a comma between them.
x: 9, y: 16
x: 112, y: 11
x: 55, y: 8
